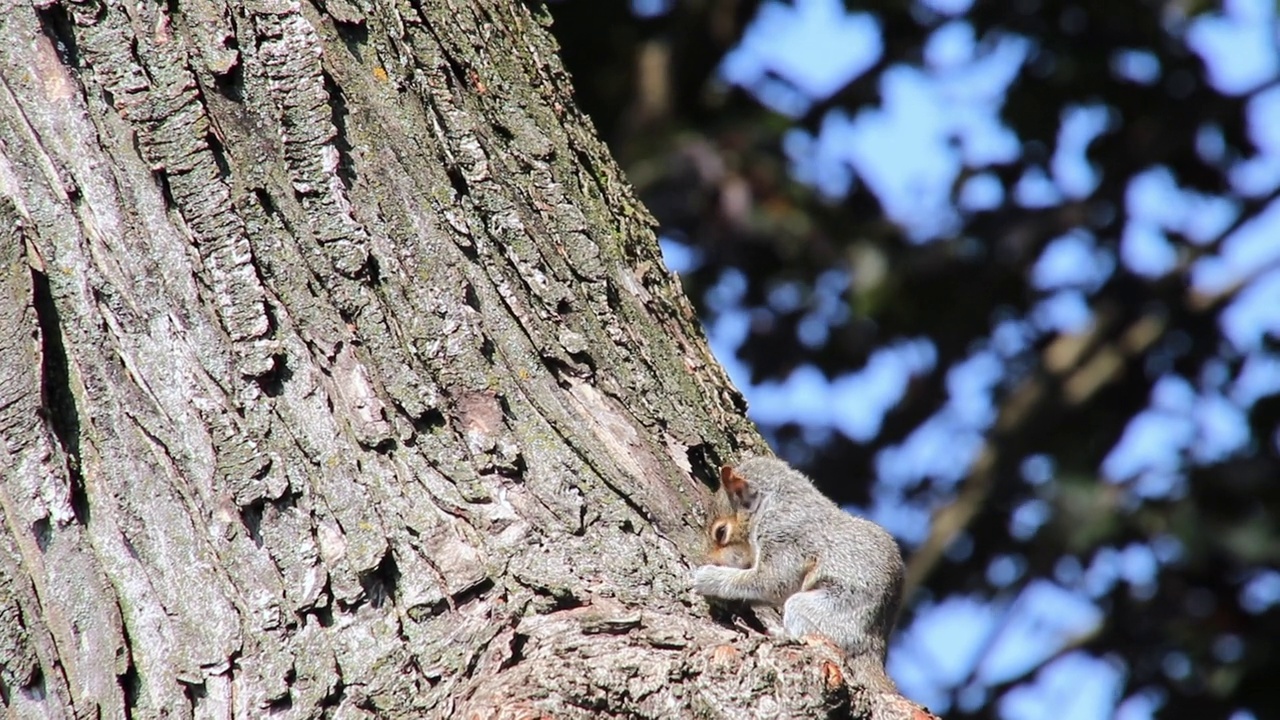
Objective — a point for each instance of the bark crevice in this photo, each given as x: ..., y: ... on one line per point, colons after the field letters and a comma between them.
x: 58, y: 402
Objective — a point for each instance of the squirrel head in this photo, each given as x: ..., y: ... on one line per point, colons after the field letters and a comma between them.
x: 729, y: 544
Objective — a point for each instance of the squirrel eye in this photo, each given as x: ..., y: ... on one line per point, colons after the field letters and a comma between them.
x: 720, y: 531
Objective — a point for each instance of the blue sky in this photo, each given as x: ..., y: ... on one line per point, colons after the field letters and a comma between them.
x: 794, y: 54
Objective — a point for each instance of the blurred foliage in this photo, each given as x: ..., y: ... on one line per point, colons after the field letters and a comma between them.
x: 708, y: 159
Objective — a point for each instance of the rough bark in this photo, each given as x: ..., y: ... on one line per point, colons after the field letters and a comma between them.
x: 340, y: 376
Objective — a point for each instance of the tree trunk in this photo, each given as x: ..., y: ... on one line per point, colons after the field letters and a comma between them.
x: 340, y: 376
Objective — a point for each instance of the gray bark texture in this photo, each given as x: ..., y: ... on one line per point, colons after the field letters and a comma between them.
x: 340, y: 376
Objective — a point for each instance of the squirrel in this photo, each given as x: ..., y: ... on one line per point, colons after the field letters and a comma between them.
x: 783, y: 543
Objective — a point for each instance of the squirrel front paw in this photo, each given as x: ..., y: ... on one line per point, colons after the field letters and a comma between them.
x: 706, y: 579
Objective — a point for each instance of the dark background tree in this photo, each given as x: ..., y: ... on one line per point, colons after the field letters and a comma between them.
x: 1192, y: 638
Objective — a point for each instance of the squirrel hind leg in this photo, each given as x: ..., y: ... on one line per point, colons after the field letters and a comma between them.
x: 804, y: 613
x: 824, y: 612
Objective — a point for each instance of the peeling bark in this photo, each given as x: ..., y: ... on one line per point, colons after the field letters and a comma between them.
x: 341, y: 376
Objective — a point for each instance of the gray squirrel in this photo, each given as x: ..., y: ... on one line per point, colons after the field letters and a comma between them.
x: 783, y: 543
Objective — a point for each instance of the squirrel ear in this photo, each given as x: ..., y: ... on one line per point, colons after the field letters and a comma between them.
x: 740, y: 492
x: 730, y: 480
